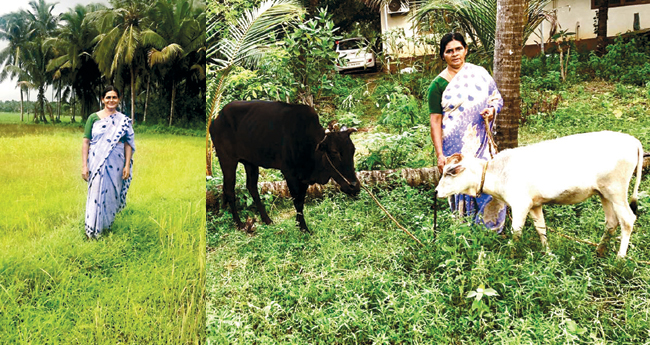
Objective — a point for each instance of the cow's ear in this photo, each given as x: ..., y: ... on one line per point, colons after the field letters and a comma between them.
x: 351, y: 130
x: 333, y: 126
x: 454, y: 159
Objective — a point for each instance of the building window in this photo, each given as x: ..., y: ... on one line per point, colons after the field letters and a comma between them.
x: 616, y: 3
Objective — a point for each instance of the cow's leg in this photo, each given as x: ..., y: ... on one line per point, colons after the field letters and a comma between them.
x: 626, y: 218
x: 298, y: 192
x: 252, y: 175
x: 611, y: 222
x: 228, y: 168
x: 540, y: 225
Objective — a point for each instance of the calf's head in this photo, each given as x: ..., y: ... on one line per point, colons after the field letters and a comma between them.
x: 460, y: 176
x: 338, y: 159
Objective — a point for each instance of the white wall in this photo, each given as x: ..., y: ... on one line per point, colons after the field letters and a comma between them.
x: 577, y: 16
x: 391, y: 22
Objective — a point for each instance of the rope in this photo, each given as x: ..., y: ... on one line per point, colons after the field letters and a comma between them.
x: 375, y: 199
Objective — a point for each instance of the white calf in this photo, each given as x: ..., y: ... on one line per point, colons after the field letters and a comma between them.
x: 566, y: 170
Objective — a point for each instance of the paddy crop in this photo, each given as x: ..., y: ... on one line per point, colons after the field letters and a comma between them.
x: 143, y: 282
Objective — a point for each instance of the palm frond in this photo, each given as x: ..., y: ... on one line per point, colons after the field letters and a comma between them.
x: 477, y: 19
x: 242, y: 45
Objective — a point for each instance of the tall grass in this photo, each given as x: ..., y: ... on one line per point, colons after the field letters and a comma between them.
x: 141, y: 283
x: 359, y: 280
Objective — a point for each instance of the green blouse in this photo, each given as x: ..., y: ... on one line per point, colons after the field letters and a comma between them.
x: 88, y: 130
x: 437, y: 87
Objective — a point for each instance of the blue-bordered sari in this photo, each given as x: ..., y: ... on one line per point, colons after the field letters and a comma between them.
x: 106, y: 188
x: 463, y: 131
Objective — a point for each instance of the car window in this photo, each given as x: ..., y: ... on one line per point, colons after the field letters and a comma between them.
x: 351, y: 44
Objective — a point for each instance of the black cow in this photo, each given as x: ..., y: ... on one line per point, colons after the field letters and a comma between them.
x: 281, y: 136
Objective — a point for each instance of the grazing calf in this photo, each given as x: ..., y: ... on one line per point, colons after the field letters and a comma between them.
x: 566, y: 170
x: 282, y: 136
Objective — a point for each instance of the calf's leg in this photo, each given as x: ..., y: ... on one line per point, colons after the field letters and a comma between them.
x: 611, y: 222
x: 518, y: 220
x: 626, y: 218
x: 298, y: 191
x: 540, y: 225
x: 228, y: 169
x: 252, y: 175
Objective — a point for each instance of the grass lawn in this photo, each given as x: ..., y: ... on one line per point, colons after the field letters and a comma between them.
x: 359, y: 280
x: 142, y: 283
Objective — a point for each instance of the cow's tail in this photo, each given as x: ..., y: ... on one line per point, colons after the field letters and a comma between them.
x: 635, y: 193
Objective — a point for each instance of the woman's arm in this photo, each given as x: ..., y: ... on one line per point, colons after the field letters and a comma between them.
x: 128, y: 153
x: 85, y: 147
x: 436, y: 138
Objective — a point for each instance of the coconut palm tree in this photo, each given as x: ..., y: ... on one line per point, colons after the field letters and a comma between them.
x: 242, y: 45
x: 42, y: 23
x: 73, y: 45
x: 14, y: 29
x: 178, y: 32
x: 120, y: 39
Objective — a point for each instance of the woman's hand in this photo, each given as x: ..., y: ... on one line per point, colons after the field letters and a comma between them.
x: 126, y: 171
x: 442, y: 160
x: 84, y: 173
x: 488, y: 113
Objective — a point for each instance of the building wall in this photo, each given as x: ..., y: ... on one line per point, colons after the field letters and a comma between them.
x: 577, y: 16
x: 390, y: 22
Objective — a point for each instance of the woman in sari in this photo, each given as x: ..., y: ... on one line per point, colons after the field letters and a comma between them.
x: 107, y: 153
x: 460, y: 97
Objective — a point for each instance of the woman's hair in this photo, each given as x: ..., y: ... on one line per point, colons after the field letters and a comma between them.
x: 110, y: 88
x: 452, y: 36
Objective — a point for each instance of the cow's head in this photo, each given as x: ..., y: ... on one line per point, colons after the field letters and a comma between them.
x: 460, y: 176
x: 338, y: 159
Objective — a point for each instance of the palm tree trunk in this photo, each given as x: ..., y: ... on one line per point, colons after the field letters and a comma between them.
x: 507, y: 69
x: 146, y: 100
x: 412, y: 177
x: 171, y: 111
x: 58, y: 111
x: 601, y: 39
x: 74, y: 105
x: 21, y: 104
x: 132, y: 94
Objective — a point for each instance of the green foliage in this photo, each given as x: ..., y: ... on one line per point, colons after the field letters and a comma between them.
x: 271, y: 81
x: 402, y: 111
x: 310, y: 46
x: 625, y: 61
x: 410, y: 148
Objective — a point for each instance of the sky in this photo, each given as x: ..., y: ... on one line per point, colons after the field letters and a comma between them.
x: 8, y: 90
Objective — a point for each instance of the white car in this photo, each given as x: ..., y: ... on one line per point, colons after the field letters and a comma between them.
x: 354, y: 53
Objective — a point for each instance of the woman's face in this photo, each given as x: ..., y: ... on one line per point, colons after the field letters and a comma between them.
x: 455, y: 54
x: 111, y: 100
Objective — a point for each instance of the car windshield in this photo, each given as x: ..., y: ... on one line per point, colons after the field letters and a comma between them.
x: 351, y: 44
